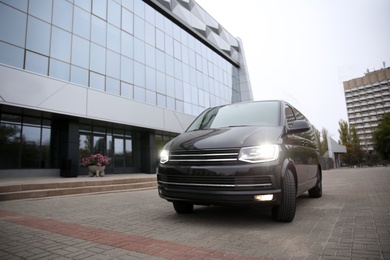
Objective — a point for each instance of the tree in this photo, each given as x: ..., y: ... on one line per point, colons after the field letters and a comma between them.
x: 350, y: 139
x: 381, y: 137
x: 324, y: 142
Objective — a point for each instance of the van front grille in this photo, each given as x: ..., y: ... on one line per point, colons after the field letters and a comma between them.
x: 204, y: 156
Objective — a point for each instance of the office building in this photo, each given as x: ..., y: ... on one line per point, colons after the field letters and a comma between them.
x: 367, y: 99
x: 116, y: 77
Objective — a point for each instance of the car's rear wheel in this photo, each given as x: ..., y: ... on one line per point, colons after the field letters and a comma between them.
x: 183, y: 207
x: 316, y: 191
x: 285, y: 212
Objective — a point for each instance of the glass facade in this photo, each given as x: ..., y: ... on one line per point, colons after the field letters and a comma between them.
x: 129, y: 49
x: 124, y: 49
x: 24, y: 142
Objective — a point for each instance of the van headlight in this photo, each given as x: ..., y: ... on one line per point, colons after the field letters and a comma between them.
x: 164, y: 156
x: 261, y: 153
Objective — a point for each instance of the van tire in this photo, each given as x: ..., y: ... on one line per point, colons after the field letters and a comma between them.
x: 285, y: 212
x: 183, y: 207
x: 316, y: 191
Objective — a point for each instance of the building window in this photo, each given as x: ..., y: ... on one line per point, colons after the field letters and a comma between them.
x: 24, y: 142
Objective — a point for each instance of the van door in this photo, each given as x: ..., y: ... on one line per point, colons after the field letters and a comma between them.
x: 309, y: 153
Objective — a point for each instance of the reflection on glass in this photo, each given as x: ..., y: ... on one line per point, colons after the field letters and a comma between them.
x: 98, y: 31
x: 45, y: 148
x: 139, y: 28
x: 15, y: 31
x: 118, y: 152
x: 41, y: 9
x: 96, y: 81
x: 80, y: 52
x: 79, y: 76
x: 128, y: 153
x: 113, y: 64
x: 126, y: 90
x: 112, y: 86
x: 127, y: 68
x: 38, y: 36
x: 151, y: 97
x: 31, y: 141
x: 37, y: 63
x: 98, y: 144
x: 60, y: 44
x: 62, y: 15
x: 127, y: 21
x: 99, y: 8
x: 113, y: 38
x: 11, y: 55
x: 139, y: 74
x: 139, y: 50
x: 113, y: 10
x: 98, y: 58
x: 127, y: 44
x: 85, y: 145
x: 81, y: 23
x: 59, y: 70
x: 9, y: 145
x: 150, y: 79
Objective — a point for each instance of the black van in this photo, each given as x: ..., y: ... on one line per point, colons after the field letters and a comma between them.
x: 253, y: 153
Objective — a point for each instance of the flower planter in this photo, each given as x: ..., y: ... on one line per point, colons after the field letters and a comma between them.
x: 97, y: 171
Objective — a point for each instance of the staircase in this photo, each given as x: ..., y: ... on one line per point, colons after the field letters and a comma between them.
x: 61, y: 187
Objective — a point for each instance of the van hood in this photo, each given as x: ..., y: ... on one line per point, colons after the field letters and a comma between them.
x: 221, y: 138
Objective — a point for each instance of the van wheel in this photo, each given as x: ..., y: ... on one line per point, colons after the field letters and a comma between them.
x: 285, y: 212
x: 183, y: 207
x: 316, y: 191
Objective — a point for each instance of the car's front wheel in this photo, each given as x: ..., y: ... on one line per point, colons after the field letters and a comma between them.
x: 285, y: 212
x: 183, y: 207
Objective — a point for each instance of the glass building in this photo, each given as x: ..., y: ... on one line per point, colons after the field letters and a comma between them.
x: 117, y: 77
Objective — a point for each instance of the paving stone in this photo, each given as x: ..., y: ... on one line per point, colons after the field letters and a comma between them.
x: 350, y: 221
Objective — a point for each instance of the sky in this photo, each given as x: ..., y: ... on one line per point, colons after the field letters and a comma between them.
x: 303, y: 50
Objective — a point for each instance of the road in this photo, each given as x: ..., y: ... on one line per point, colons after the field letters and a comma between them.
x: 350, y: 221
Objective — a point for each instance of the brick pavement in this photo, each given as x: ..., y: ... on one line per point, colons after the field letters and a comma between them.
x: 350, y: 221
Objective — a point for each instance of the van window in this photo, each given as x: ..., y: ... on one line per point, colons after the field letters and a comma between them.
x: 240, y: 114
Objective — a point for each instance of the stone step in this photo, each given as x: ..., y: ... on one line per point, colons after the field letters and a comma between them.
x: 93, y: 185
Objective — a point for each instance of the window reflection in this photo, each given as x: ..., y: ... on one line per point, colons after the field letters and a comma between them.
x: 113, y: 10
x: 127, y: 21
x: 112, y: 86
x: 62, y: 14
x: 99, y: 8
x: 81, y: 23
x: 144, y: 49
x: 9, y: 145
x: 98, y: 58
x: 96, y: 81
x: 59, y: 70
x: 37, y: 63
x: 15, y: 30
x: 79, y: 76
x: 11, y: 55
x: 60, y: 44
x: 38, y: 36
x: 80, y: 52
x: 98, y: 31
x: 25, y: 145
x: 118, y: 152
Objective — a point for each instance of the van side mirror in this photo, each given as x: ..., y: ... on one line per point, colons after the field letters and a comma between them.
x: 299, y: 126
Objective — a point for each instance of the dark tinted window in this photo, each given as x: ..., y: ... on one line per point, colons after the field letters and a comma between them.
x: 242, y: 114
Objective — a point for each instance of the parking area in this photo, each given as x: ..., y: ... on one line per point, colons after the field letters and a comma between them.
x: 350, y: 221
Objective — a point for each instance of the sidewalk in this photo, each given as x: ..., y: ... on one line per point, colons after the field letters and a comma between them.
x: 58, y: 179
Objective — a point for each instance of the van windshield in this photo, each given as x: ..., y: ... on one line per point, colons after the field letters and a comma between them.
x: 265, y: 113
